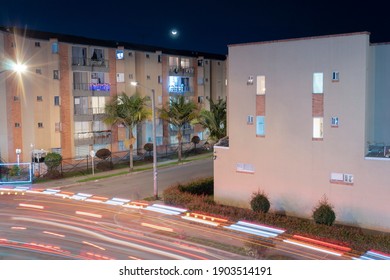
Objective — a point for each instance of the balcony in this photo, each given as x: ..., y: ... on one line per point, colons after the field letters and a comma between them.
x: 93, y: 137
x: 179, y: 89
x: 181, y: 71
x: 91, y: 89
x: 89, y: 64
x: 88, y: 114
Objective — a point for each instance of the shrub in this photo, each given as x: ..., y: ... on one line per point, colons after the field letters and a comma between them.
x: 260, y: 202
x: 103, y: 153
x: 53, y: 160
x: 148, y: 147
x: 323, y: 213
x: 199, y: 187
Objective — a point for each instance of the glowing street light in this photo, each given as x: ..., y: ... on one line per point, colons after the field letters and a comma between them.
x: 155, y: 186
x: 16, y: 67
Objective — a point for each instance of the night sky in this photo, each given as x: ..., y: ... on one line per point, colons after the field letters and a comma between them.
x: 204, y: 26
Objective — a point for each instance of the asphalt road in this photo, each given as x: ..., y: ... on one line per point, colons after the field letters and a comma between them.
x: 139, y: 185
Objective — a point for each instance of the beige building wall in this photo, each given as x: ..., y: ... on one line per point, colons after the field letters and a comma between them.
x: 3, y: 105
x: 286, y: 163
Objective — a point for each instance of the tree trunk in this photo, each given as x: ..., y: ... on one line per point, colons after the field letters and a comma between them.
x: 131, y: 150
x: 179, y: 138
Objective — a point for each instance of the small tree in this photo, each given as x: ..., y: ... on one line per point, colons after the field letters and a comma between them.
x: 260, y: 202
x: 148, y: 147
x: 195, y: 140
x: 52, y: 161
x: 323, y: 213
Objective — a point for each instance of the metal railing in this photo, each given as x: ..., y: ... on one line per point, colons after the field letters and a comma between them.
x: 83, y: 61
x: 92, y: 86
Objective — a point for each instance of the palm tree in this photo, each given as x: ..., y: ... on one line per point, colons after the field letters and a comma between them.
x: 128, y: 111
x: 179, y: 112
x: 214, y: 119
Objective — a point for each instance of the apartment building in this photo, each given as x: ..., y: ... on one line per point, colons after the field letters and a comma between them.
x: 57, y: 105
x: 309, y: 117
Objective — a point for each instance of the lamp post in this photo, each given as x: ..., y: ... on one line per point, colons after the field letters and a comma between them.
x: 155, y: 185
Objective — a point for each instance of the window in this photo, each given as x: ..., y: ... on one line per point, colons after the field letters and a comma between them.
x: 159, y: 59
x: 147, y: 55
x: 120, y: 77
x: 335, y: 122
x: 98, y: 104
x: 260, y: 125
x: 39, y: 98
x: 54, y: 47
x: 148, y: 77
x: 130, y: 76
x: 121, y: 145
x: 335, y: 76
x: 17, y: 124
x: 245, y: 167
x: 341, y: 178
x: 130, y: 53
x: 200, y: 62
x: 318, y: 83
x: 56, y: 74
x: 119, y: 54
x: 38, y: 44
x: 16, y: 98
x: 260, y: 85
x: 40, y: 125
x: 58, y: 127
x: 200, y: 99
x: 38, y: 71
x: 249, y: 119
x: 318, y: 125
x: 159, y: 79
x: 56, y: 100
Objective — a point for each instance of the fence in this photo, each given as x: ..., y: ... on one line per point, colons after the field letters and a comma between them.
x: 83, y: 165
x: 14, y: 173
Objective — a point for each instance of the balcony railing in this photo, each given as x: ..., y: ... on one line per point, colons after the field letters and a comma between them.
x: 88, y: 111
x: 92, y: 137
x: 92, y: 86
x: 181, y: 71
x: 83, y: 61
x: 179, y: 89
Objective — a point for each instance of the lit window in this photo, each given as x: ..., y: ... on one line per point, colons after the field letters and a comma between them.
x: 318, y: 126
x: 120, y: 77
x: 335, y: 122
x: 54, y: 47
x: 260, y: 125
x: 318, y: 83
x: 119, y: 54
x: 260, y: 85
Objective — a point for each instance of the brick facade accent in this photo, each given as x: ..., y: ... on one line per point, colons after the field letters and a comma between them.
x: 14, y: 87
x: 318, y: 105
x: 260, y: 105
x: 66, y: 96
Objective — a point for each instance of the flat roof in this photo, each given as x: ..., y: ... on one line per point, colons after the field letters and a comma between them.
x: 72, y: 39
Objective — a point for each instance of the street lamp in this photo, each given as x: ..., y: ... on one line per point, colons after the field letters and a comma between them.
x: 155, y: 186
x: 16, y: 67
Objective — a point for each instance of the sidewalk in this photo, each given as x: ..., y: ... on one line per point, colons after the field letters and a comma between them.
x: 78, y: 180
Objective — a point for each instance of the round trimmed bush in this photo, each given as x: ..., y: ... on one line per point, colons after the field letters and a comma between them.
x: 323, y: 213
x: 260, y: 202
